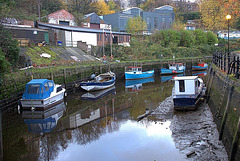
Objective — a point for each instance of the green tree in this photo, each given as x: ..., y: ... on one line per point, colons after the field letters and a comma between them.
x: 136, y: 26
x: 211, y: 38
x: 187, y: 38
x: 201, y: 37
x: 4, y: 65
x: 9, y: 46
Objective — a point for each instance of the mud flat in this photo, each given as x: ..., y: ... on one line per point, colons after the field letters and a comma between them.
x: 194, y: 132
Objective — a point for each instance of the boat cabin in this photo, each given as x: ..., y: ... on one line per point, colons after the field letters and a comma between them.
x: 202, y: 64
x: 187, y: 85
x: 176, y: 66
x: 134, y: 69
x: 38, y: 89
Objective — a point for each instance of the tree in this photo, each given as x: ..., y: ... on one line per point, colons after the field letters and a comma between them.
x: 79, y: 6
x: 9, y: 46
x: 113, y: 6
x: 136, y: 26
x: 3, y: 63
x: 148, y: 6
x: 101, y: 8
x: 212, y: 15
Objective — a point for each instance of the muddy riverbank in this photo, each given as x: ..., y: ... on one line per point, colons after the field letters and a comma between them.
x: 194, y: 132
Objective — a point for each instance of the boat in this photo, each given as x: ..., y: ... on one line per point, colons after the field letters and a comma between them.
x: 188, y: 92
x: 136, y: 85
x: 102, y: 81
x: 174, y: 68
x: 95, y: 95
x: 40, y: 94
x: 43, y: 121
x: 137, y: 73
x: 200, y: 66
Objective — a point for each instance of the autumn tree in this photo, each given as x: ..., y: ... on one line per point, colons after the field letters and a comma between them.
x: 212, y: 15
x: 148, y: 5
x: 113, y: 6
x: 136, y: 26
x: 101, y: 8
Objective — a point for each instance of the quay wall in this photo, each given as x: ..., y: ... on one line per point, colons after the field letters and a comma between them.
x: 12, y: 89
x: 223, y: 98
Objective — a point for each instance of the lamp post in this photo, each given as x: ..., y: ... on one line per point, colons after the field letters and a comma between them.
x: 228, y: 17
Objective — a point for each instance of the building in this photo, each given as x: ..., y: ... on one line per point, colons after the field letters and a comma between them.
x: 72, y: 35
x: 62, y: 17
x: 93, y: 21
x: 160, y: 18
x: 232, y: 34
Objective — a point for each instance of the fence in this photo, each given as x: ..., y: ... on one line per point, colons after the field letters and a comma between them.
x: 227, y: 64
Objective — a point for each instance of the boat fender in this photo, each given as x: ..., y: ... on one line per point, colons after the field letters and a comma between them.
x: 92, y: 76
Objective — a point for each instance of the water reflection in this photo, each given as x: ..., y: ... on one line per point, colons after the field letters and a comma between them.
x: 200, y: 73
x: 133, y: 141
x: 136, y: 85
x: 43, y: 121
x: 169, y: 77
x: 98, y: 94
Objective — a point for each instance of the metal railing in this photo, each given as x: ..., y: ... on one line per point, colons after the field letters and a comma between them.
x: 229, y: 65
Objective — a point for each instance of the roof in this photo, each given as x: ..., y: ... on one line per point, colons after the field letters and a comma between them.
x: 63, y: 14
x: 165, y: 7
x: 186, y: 78
x: 38, y: 81
x: 79, y: 29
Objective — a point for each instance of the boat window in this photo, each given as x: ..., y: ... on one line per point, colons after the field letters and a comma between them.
x: 46, y: 87
x: 33, y: 89
x: 42, y: 91
x: 196, y: 83
x: 59, y: 88
x: 50, y: 84
x: 181, y: 86
x: 139, y: 69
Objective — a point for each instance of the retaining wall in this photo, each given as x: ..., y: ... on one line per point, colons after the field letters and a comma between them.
x: 223, y: 97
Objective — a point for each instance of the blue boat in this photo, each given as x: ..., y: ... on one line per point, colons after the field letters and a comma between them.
x: 188, y: 92
x: 40, y: 94
x: 137, y: 73
x: 136, y: 85
x: 43, y: 121
x: 174, y: 68
x: 102, y: 81
x: 200, y: 66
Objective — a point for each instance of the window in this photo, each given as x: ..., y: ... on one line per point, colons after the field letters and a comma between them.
x: 164, y: 23
x: 155, y: 22
x: 181, y: 86
x: 33, y: 89
x: 46, y: 86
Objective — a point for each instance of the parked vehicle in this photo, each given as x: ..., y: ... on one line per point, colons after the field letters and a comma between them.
x: 188, y: 92
x: 137, y: 73
x: 174, y: 68
x: 40, y: 94
x: 200, y: 66
x: 102, y: 81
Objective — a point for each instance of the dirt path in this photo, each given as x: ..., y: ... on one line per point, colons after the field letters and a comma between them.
x: 194, y: 132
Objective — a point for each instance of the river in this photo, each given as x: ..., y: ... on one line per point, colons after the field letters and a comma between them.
x: 104, y: 126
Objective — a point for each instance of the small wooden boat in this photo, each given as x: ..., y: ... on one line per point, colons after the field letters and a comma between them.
x: 137, y: 73
x: 102, y: 81
x: 200, y: 66
x: 40, y: 94
x: 188, y: 92
x: 95, y: 95
x: 174, y: 68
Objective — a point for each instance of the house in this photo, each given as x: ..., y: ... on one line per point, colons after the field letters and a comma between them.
x: 62, y: 17
x: 71, y: 35
x: 160, y: 18
x: 93, y: 21
x: 232, y: 34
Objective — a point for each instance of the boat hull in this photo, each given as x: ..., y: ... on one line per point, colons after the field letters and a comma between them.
x: 93, y: 86
x: 41, y: 104
x: 198, y: 68
x: 170, y: 71
x: 183, y: 103
x: 142, y: 75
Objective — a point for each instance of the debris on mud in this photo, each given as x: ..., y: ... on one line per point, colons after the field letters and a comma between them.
x: 194, y: 132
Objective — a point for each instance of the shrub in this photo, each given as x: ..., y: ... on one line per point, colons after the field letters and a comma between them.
x: 187, y: 38
x: 211, y: 38
x: 201, y: 37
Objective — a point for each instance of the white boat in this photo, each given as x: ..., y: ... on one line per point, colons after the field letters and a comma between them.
x: 188, y: 92
x: 40, y: 94
x: 102, y: 81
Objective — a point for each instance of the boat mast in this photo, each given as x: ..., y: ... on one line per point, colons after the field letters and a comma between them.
x: 111, y: 42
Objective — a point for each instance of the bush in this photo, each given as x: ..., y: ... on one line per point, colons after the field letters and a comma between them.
x: 4, y: 65
x: 187, y: 38
x: 211, y: 38
x: 201, y: 37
